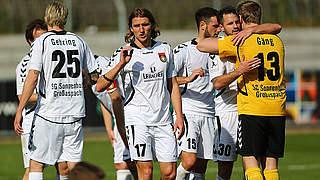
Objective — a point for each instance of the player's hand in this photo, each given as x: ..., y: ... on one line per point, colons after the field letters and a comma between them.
x: 18, y: 123
x: 112, y: 138
x: 246, y: 66
x: 239, y: 38
x: 179, y: 125
x: 195, y: 74
x: 125, y: 55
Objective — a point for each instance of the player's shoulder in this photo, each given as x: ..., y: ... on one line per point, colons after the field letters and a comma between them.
x: 101, y: 59
x: 181, y: 47
x: 118, y: 51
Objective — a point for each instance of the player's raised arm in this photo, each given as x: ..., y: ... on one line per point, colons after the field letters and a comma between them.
x: 208, y: 45
x: 107, y: 79
x: 267, y: 28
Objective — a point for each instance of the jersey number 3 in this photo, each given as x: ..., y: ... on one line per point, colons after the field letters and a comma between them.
x: 272, y: 74
x: 73, y: 71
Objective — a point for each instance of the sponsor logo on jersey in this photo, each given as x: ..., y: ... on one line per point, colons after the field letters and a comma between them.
x: 162, y: 57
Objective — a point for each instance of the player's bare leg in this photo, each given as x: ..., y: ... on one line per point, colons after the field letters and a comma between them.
x: 251, y: 166
x: 36, y: 170
x: 26, y: 174
x: 168, y: 170
x: 145, y: 169
x: 270, y: 168
x: 125, y: 170
x: 225, y: 169
x: 199, y: 168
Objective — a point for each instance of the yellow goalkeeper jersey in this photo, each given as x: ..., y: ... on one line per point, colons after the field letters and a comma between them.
x: 262, y: 91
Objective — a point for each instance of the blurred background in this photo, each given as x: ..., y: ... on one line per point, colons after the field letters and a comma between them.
x: 102, y: 23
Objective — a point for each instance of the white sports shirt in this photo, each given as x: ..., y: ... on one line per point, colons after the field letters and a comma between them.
x: 226, y: 98
x: 104, y: 65
x: 28, y: 111
x: 60, y: 57
x: 143, y: 83
x: 197, y: 96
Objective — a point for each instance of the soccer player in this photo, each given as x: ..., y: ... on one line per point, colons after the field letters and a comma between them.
x: 261, y: 98
x: 146, y: 78
x: 195, y: 146
x: 108, y: 99
x: 34, y: 29
x: 58, y: 57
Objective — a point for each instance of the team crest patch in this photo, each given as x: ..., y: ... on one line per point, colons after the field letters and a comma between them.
x: 162, y: 57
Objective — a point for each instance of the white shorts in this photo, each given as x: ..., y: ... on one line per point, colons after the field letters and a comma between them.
x: 225, y: 142
x: 120, y: 152
x: 25, y: 150
x: 53, y: 142
x: 146, y: 142
x: 198, y: 136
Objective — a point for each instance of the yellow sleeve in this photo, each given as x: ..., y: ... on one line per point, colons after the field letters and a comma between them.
x: 226, y: 47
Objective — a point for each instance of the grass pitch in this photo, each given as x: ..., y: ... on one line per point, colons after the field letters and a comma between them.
x: 301, y: 161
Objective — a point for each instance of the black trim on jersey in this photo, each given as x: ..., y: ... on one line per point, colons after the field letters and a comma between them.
x: 57, y: 122
x: 221, y: 92
x: 187, y: 125
x: 244, y: 82
x: 153, y: 42
x: 180, y: 46
x: 95, y: 56
x: 44, y: 84
x: 132, y: 93
x: 31, y: 110
x: 59, y: 32
x: 194, y: 42
x: 185, y: 85
x: 132, y: 130
x: 219, y: 126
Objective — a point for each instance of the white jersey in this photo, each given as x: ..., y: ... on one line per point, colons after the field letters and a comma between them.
x: 197, y: 96
x: 104, y: 65
x: 28, y: 111
x: 226, y: 98
x: 143, y: 84
x: 60, y: 57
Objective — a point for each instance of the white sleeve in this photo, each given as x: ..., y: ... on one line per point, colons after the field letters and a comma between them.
x: 179, y: 60
x: 171, y: 71
x: 36, y: 55
x: 20, y: 78
x: 115, y: 59
x: 216, y: 67
x: 90, y: 64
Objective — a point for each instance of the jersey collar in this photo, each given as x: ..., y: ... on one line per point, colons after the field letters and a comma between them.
x: 153, y: 42
x: 59, y: 32
x: 194, y: 42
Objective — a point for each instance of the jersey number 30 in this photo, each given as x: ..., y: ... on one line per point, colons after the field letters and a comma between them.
x: 73, y: 71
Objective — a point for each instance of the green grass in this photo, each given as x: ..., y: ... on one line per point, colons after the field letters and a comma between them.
x: 301, y: 161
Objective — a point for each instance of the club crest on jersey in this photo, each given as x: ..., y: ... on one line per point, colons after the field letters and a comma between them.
x: 162, y: 57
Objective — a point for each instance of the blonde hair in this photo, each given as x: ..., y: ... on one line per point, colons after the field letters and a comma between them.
x: 250, y: 11
x: 56, y: 14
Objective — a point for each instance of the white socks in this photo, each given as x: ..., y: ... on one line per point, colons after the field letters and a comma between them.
x: 124, y: 175
x: 196, y: 176
x: 35, y: 176
x: 181, y: 173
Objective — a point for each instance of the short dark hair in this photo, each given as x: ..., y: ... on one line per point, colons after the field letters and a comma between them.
x: 204, y: 14
x: 35, y: 24
x: 249, y: 11
x: 85, y: 170
x: 226, y: 10
x: 142, y: 12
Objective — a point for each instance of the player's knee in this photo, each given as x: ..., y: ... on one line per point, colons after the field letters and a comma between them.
x: 168, y: 172
x: 253, y: 174
x: 188, y: 162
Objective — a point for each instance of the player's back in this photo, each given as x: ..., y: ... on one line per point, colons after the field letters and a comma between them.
x: 262, y: 91
x: 61, y: 56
